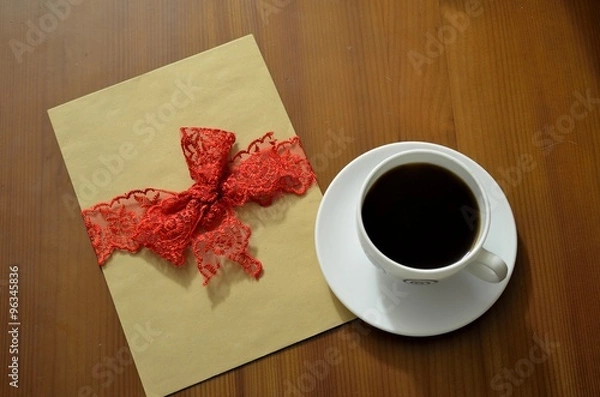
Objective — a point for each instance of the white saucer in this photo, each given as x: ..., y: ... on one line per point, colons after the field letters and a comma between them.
x: 392, y: 305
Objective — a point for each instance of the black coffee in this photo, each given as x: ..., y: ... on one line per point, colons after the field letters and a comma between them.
x: 421, y: 215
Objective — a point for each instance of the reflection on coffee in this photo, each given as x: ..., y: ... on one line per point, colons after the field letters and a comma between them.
x: 421, y: 215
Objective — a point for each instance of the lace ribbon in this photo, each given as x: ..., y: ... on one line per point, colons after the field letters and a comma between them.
x: 202, y: 217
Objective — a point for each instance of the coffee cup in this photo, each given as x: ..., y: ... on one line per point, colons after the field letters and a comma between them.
x: 424, y: 216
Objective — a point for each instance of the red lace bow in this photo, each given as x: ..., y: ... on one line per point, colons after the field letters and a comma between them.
x: 202, y: 216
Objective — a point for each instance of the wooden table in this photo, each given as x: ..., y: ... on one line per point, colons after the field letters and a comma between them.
x: 513, y: 84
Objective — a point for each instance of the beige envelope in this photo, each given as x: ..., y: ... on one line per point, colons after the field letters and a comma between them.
x: 126, y: 137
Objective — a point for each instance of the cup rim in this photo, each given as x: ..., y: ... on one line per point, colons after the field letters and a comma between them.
x: 480, y: 194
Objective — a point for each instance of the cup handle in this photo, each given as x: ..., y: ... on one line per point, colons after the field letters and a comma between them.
x: 488, y: 267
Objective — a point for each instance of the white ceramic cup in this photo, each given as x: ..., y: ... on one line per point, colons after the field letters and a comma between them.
x: 477, y: 260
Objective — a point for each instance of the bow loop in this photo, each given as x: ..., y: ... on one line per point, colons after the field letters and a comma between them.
x: 281, y: 166
x: 206, y: 153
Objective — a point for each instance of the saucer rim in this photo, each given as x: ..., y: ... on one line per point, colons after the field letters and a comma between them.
x: 512, y: 244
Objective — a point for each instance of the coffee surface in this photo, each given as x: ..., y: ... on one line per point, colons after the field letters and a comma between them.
x: 421, y: 215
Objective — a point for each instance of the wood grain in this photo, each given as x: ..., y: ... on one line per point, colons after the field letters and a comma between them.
x: 504, y: 84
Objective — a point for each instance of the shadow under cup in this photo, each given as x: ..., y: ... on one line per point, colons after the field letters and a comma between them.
x: 423, y: 216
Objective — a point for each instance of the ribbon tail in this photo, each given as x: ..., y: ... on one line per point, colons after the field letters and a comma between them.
x: 112, y: 226
x: 228, y: 241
